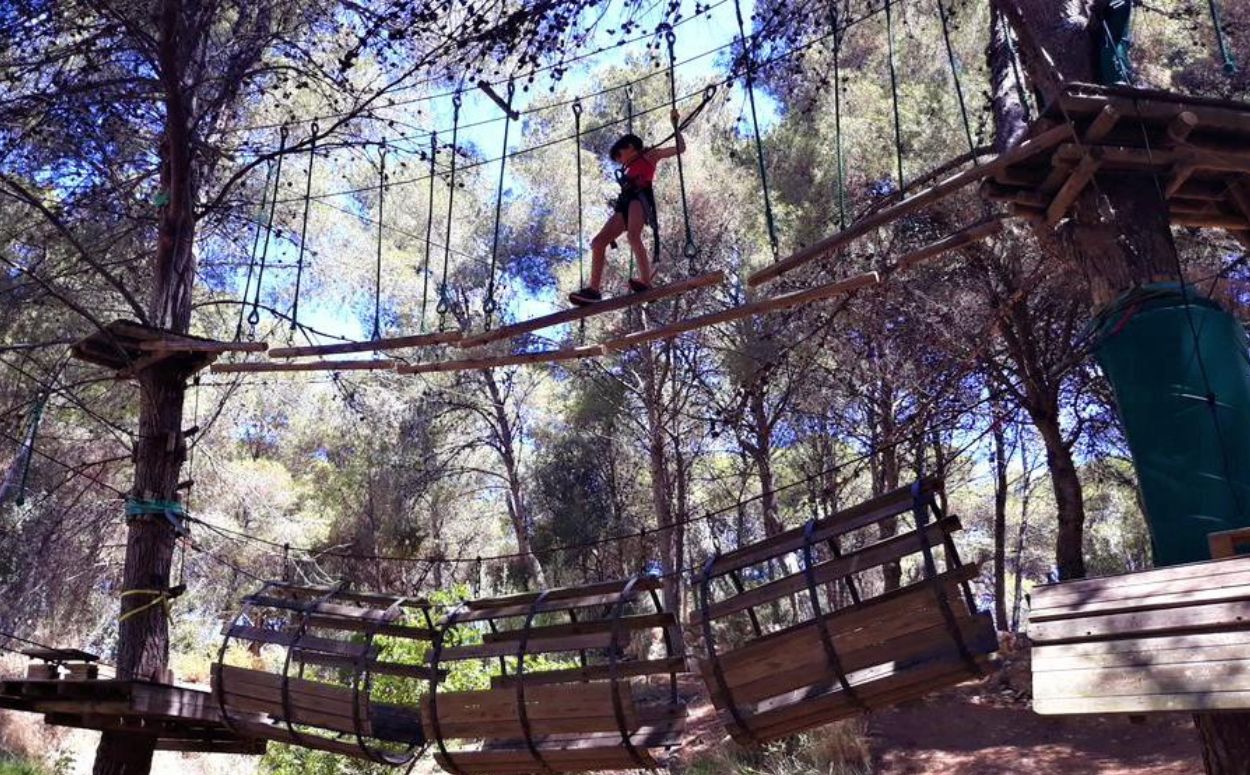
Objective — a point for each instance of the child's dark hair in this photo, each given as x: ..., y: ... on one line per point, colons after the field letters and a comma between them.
x: 627, y: 141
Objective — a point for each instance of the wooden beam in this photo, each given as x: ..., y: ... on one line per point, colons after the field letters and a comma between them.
x: 1180, y: 175
x: 492, y: 362
x: 962, y: 238
x: 1180, y: 127
x: 1102, y: 124
x: 784, y: 301
x: 598, y: 308
x: 252, y: 368
x: 1074, y: 185
x: 1239, y: 193
x: 1161, y: 107
x: 200, y: 346
x: 1211, y: 221
x: 934, y: 193
x: 377, y: 345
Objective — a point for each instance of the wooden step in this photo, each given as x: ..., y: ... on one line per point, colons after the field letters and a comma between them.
x: 624, y: 668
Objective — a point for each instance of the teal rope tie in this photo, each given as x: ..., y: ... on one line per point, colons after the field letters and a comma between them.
x: 170, y: 510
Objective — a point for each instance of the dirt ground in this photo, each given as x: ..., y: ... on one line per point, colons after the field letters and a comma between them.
x: 959, y: 733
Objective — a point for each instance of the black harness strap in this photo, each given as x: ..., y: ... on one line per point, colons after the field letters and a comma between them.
x: 920, y: 512
x: 822, y: 627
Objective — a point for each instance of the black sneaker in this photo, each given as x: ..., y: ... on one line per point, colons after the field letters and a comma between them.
x: 585, y: 297
x: 638, y: 286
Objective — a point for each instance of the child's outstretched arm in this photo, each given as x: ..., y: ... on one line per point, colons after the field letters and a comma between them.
x: 655, y: 154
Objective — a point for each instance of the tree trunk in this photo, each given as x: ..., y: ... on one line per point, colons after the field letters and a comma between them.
x: 143, y: 638
x: 1000, y: 521
x: 657, y: 463
x: 506, y: 445
x: 1225, y: 742
x: 1069, y: 499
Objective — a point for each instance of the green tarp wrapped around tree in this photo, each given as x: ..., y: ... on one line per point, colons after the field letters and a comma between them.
x: 1179, y: 366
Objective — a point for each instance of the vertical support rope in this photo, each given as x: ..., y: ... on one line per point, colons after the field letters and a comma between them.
x: 377, y: 271
x: 1021, y: 92
x: 303, y: 231
x: 898, y: 121
x: 577, y: 147
x: 489, y: 305
x: 254, y: 317
x: 689, y: 249
x: 36, y: 416
x: 251, y: 264
x: 959, y: 89
x: 429, y: 226
x: 838, y: 32
x: 748, y: 52
x: 1230, y: 62
x: 444, y: 304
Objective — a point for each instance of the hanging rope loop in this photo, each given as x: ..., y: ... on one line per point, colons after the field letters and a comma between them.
x: 489, y: 305
x: 313, y: 131
x: 581, y: 244
x: 689, y: 248
x: 253, y: 318
x: 444, y: 305
x: 377, y: 271
x: 748, y: 55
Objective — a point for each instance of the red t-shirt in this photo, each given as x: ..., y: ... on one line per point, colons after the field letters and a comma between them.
x: 640, y: 172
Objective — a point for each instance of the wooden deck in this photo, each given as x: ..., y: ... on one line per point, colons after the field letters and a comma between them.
x: 1170, y: 639
x: 181, y: 718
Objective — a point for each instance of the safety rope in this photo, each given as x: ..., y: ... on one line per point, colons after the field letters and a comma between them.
x: 959, y: 89
x: 1230, y: 62
x: 748, y: 52
x: 159, y: 597
x: 429, y: 227
x: 898, y: 121
x: 36, y: 416
x: 377, y: 272
x: 577, y: 148
x: 838, y: 31
x: 254, y: 317
x: 489, y: 305
x: 303, y: 232
x: 689, y: 250
x: 251, y: 263
x: 1021, y: 92
x: 444, y: 304
x: 629, y: 109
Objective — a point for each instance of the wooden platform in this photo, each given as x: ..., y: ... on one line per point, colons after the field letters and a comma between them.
x: 841, y: 650
x: 1197, y: 149
x: 599, y: 712
x: 128, y: 347
x: 181, y: 718
x: 1171, y: 639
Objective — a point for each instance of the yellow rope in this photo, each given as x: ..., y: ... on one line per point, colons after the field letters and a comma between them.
x: 159, y: 596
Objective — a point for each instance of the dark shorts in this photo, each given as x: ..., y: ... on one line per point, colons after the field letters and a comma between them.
x: 644, y: 195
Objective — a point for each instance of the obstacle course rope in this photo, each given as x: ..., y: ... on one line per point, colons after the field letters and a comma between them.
x: 303, y: 232
x: 748, y: 53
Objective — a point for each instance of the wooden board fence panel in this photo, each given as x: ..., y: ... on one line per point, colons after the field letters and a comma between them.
x: 1166, y: 640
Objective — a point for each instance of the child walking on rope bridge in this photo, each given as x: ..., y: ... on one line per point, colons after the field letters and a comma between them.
x: 634, y: 208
